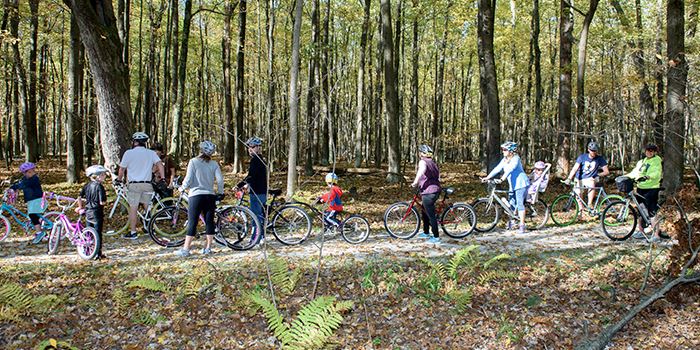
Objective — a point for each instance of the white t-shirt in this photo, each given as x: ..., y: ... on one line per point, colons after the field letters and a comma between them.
x: 139, y: 162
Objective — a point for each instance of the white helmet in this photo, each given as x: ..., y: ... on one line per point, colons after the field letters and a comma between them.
x: 331, y: 178
x: 207, y: 147
x: 95, y: 170
x: 140, y: 136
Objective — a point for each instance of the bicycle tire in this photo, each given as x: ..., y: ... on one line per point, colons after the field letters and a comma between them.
x: 55, y: 238
x: 87, y: 243
x: 355, y: 229
x: 619, y: 220
x: 47, y: 220
x: 536, y: 214
x: 564, y: 210
x: 238, y: 228
x: 6, y: 231
x: 168, y: 202
x: 486, y: 213
x: 118, y: 221
x: 458, y: 221
x: 607, y: 200
x: 291, y: 225
x: 401, y: 221
x: 168, y: 226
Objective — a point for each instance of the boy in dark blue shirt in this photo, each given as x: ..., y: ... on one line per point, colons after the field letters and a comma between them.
x: 95, y: 197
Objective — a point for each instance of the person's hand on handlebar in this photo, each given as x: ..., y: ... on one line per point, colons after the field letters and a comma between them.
x: 643, y: 178
x: 567, y: 182
x: 220, y: 197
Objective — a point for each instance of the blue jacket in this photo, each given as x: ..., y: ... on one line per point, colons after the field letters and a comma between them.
x: 513, y: 170
x: 31, y: 187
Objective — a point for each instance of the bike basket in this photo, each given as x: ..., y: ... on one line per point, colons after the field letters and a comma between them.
x: 624, y: 184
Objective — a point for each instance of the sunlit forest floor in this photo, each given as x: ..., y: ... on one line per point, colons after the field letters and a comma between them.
x: 556, y: 287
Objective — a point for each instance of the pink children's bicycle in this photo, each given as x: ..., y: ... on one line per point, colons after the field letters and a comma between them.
x: 85, y: 239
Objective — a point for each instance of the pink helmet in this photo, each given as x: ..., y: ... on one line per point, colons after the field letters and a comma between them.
x: 26, y: 167
x: 540, y: 165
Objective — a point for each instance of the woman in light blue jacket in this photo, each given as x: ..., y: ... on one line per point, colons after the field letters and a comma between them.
x: 512, y: 169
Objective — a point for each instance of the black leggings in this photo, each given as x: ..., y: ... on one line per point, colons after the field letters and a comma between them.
x: 35, y: 219
x: 204, y: 204
x: 94, y: 219
x: 651, y: 199
x: 428, y: 213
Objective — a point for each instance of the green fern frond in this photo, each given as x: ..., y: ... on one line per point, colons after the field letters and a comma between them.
x: 55, y: 344
x: 9, y: 314
x: 196, y: 282
x: 488, y: 276
x: 275, y: 321
x: 147, y: 318
x: 463, y: 256
x: 436, y: 267
x: 46, y: 303
x: 496, y: 259
x: 11, y: 294
x: 316, y: 322
x: 121, y: 299
x: 283, y: 279
x: 148, y: 283
x: 343, y: 306
x: 462, y: 298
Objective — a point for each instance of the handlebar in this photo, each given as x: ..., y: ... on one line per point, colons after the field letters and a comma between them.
x: 71, y: 201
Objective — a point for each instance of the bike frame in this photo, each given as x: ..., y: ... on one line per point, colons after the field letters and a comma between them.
x: 441, y: 205
x: 494, y: 197
x: 14, y: 211
x: 73, y: 230
x: 584, y: 203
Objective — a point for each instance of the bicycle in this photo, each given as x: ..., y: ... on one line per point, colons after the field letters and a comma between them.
x: 85, y: 239
x: 354, y: 229
x: 236, y: 227
x: 488, y: 209
x: 565, y: 208
x: 458, y: 220
x: 619, y: 218
x: 117, y: 219
x: 9, y: 197
x: 290, y: 224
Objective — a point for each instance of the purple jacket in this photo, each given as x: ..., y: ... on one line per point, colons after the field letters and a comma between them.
x: 429, y: 181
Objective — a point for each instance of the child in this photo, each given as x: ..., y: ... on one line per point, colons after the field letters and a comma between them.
x: 332, y: 197
x: 95, y: 197
x: 33, y: 196
x: 539, y: 178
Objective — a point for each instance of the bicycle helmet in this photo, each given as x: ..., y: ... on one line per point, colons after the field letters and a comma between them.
x: 140, y: 136
x: 509, y: 146
x: 331, y: 178
x: 207, y: 147
x: 253, y: 141
x: 26, y: 167
x: 593, y: 146
x: 95, y: 170
x: 425, y: 149
x: 540, y: 165
x: 651, y: 147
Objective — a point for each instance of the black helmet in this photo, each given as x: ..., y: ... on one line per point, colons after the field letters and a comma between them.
x: 651, y: 147
x: 593, y: 146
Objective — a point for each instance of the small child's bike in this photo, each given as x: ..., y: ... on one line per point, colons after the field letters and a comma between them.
x: 85, y: 239
x: 8, y: 199
x: 354, y: 229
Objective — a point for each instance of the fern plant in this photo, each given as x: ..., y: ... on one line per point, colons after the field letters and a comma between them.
x: 283, y: 278
x: 496, y: 259
x: 492, y: 275
x: 121, y: 299
x: 196, y: 282
x: 14, y: 296
x: 147, y: 318
x: 461, y: 297
x: 466, y: 255
x: 16, y: 302
x: 148, y: 283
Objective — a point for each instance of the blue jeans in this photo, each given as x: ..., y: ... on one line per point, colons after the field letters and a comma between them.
x: 257, y: 201
x: 517, y: 198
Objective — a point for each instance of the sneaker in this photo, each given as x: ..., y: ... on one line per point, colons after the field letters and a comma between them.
x: 639, y: 235
x: 664, y: 235
x: 434, y: 240
x: 521, y: 229
x: 101, y: 257
x: 206, y: 251
x: 38, y: 237
x: 182, y: 253
x: 131, y: 235
x: 424, y: 235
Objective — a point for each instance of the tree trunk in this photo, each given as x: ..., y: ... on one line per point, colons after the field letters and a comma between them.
x: 294, y: 102
x: 659, y: 78
x: 488, y: 84
x: 74, y: 123
x: 566, y: 25
x: 361, y: 86
x: 13, y: 7
x: 415, y: 56
x: 391, y: 95
x: 31, y: 140
x: 312, y: 93
x: 271, y: 86
x: 581, y: 69
x: 676, y: 81
x: 230, y: 150
x: 240, y: 87
x: 327, y: 140
x: 178, y: 107
x: 438, y: 109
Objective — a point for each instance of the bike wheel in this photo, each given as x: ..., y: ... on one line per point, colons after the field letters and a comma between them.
x: 355, y: 229
x: 486, y: 213
x: 168, y: 226
x: 458, y: 221
x: 238, y: 228
x: 117, y: 219
x: 55, y: 238
x: 168, y: 202
x: 618, y: 220
x: 564, y: 210
x: 401, y: 220
x: 291, y: 225
x: 47, y: 220
x: 606, y: 201
x: 4, y: 228
x: 87, y: 243
x: 536, y: 214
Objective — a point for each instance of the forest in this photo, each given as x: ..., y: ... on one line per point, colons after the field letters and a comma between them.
x: 356, y: 87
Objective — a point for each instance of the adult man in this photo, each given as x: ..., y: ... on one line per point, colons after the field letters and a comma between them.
x: 138, y: 164
x: 586, y: 171
x: 256, y: 180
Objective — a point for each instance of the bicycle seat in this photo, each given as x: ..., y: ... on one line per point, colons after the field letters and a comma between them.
x: 448, y: 190
x: 275, y: 193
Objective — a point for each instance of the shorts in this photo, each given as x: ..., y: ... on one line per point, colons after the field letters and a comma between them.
x: 34, y: 206
x: 587, y: 183
x: 139, y: 193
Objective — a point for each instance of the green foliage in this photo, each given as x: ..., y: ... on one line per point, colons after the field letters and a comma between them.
x: 437, y: 268
x: 466, y: 255
x: 12, y: 295
x: 533, y: 300
x: 148, y: 283
x: 283, y: 278
x: 16, y: 302
x: 492, y: 275
x: 496, y: 259
x: 314, y: 325
x: 196, y: 282
x: 121, y: 299
x: 461, y: 297
x: 51, y: 344
x: 147, y: 318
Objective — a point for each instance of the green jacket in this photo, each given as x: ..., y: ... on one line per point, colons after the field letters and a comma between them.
x: 651, y: 168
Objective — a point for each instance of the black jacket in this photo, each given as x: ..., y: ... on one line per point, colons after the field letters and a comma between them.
x: 257, y: 175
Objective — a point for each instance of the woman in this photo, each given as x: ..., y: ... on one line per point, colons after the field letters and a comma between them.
x: 648, y: 173
x: 428, y: 182
x: 517, y: 179
x: 202, y: 171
